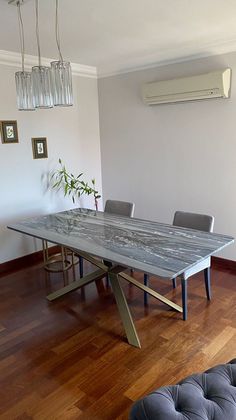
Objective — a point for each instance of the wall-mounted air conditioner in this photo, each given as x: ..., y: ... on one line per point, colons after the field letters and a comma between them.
x: 204, y: 86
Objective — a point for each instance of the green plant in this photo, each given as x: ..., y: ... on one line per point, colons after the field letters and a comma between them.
x: 73, y: 186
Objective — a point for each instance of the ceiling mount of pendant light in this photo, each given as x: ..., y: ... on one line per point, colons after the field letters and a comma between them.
x: 61, y: 74
x: 23, y: 78
x: 41, y: 78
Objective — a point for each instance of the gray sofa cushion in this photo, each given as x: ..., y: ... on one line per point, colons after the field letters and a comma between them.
x: 209, y: 395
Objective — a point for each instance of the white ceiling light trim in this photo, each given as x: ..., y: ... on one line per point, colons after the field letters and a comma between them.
x: 9, y: 58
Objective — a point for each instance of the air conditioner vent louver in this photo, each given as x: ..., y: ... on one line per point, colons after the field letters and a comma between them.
x: 204, y: 86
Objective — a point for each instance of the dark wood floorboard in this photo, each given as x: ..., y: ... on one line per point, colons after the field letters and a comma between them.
x: 70, y: 360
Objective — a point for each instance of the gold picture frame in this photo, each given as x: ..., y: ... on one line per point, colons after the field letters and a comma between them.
x: 9, y: 132
x: 39, y: 146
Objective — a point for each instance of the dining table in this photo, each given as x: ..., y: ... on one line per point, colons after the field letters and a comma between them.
x: 151, y: 247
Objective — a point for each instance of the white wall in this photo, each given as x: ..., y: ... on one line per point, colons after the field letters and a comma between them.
x: 170, y: 157
x: 72, y: 134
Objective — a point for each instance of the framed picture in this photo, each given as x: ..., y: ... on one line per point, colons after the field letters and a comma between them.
x: 9, y: 133
x: 39, y: 146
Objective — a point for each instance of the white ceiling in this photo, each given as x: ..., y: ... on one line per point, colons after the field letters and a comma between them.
x: 116, y: 35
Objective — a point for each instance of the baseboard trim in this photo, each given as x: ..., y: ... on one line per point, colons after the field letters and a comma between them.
x: 25, y: 261
x: 223, y: 264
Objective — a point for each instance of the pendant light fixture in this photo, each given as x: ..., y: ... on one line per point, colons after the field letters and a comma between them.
x: 41, y: 77
x: 43, y: 87
x: 24, y: 91
x: 61, y: 74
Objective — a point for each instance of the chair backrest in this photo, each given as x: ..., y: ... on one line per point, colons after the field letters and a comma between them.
x: 121, y: 208
x: 194, y: 221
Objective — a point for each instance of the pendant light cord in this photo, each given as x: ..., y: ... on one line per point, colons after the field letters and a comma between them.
x: 58, y: 33
x: 37, y: 30
x: 22, y: 38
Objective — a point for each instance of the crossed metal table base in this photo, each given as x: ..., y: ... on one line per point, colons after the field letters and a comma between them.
x: 114, y: 273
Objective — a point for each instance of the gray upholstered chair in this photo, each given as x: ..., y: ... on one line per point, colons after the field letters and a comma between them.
x: 196, y: 221
x: 120, y: 208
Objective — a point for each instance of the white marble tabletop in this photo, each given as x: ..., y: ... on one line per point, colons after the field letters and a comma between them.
x: 151, y: 247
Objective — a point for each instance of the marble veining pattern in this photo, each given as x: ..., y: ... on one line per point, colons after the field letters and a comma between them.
x: 152, y: 247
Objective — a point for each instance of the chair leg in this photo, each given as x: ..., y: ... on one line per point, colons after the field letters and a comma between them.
x: 174, y: 283
x: 81, y: 267
x: 207, y: 277
x: 145, y: 281
x: 107, y: 281
x: 184, y: 299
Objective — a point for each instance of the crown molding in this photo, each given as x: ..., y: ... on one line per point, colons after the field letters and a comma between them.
x: 13, y: 59
x: 162, y: 63
x: 185, y: 54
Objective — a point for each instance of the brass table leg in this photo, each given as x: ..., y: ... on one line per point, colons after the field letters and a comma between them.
x: 124, y: 311
x: 77, y: 284
x: 121, y: 302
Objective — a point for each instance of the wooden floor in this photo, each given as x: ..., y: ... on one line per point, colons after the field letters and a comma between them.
x: 70, y: 360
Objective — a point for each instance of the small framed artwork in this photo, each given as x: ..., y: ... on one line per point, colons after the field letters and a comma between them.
x: 9, y: 132
x: 39, y: 146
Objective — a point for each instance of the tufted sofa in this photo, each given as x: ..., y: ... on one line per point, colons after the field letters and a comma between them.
x: 209, y: 395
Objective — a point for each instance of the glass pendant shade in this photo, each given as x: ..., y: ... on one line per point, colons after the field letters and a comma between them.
x: 42, y: 87
x: 62, y: 83
x: 24, y: 91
